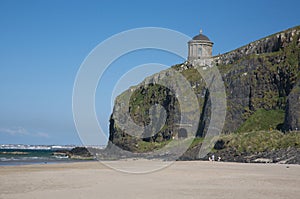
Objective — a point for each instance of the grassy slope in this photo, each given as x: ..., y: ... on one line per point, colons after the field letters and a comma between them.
x: 259, y: 141
x: 263, y: 120
x: 258, y: 134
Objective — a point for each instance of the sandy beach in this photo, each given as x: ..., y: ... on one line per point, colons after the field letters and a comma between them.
x: 179, y: 180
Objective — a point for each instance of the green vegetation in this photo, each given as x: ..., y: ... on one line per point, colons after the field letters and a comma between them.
x: 259, y: 141
x: 197, y: 141
x: 143, y: 146
x: 257, y: 87
x: 249, y: 142
x: 263, y: 120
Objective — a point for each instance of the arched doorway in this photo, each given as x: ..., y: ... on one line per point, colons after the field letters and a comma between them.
x: 182, y: 133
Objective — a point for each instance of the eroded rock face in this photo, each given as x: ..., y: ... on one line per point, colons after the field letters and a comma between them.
x: 292, y: 117
x: 260, y: 75
x: 268, y: 44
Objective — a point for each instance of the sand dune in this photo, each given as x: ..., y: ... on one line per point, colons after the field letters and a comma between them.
x: 179, y: 180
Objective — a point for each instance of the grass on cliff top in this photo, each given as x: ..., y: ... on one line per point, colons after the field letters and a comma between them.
x: 263, y: 120
x: 259, y: 141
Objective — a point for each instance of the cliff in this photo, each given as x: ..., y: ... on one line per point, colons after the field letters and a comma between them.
x: 260, y: 78
x: 260, y: 75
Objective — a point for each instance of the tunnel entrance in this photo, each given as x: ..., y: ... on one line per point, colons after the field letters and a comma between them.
x: 182, y: 133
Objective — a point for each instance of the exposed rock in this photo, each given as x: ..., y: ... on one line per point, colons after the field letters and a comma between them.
x: 260, y: 75
x: 268, y: 44
x: 292, y: 117
x: 220, y: 144
x: 289, y: 155
x: 80, y: 153
x: 61, y: 153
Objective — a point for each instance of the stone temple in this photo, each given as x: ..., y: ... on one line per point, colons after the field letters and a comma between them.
x: 200, y: 50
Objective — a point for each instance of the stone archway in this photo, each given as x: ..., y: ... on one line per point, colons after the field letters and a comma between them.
x: 182, y: 133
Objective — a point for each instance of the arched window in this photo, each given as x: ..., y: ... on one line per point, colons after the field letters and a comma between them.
x: 200, y: 51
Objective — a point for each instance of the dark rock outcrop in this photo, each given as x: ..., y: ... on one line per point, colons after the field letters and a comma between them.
x: 283, y: 156
x: 81, y: 153
x: 292, y: 116
x: 290, y: 155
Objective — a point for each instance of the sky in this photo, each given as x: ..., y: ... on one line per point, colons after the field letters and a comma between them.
x: 43, y: 44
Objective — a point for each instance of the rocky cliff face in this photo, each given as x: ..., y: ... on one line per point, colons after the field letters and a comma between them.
x: 272, y: 43
x: 260, y: 75
x: 292, y: 116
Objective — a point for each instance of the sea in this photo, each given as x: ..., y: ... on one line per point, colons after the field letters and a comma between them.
x: 11, y: 155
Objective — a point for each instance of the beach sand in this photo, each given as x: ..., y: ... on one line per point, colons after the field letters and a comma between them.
x: 195, y: 179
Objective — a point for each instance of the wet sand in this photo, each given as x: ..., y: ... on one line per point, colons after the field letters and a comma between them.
x: 179, y: 180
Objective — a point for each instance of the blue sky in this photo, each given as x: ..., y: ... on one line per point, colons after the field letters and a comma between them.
x: 43, y: 44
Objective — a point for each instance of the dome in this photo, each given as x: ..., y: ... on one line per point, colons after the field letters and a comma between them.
x: 201, y: 37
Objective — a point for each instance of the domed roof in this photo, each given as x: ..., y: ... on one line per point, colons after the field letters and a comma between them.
x: 201, y: 37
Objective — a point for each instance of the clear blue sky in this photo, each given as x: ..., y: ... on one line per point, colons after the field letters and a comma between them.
x: 43, y: 43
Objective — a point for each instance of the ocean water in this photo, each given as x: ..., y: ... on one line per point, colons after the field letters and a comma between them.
x: 31, y: 156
